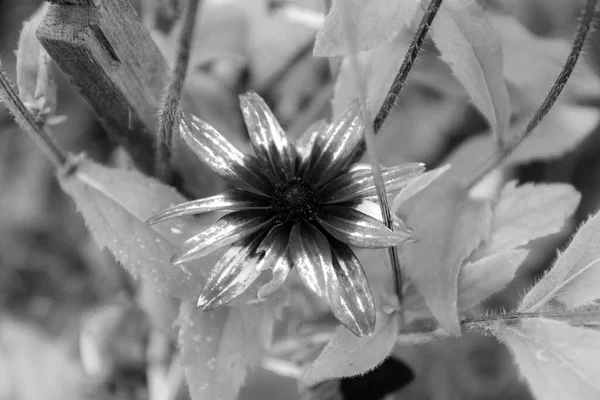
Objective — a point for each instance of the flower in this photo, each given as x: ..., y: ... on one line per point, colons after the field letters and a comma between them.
x: 292, y: 205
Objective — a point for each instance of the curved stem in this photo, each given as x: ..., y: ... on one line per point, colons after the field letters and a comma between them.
x: 28, y: 123
x: 407, y: 64
x: 168, y: 113
x: 584, y: 28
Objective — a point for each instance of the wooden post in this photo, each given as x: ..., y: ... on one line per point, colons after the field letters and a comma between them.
x: 108, y: 55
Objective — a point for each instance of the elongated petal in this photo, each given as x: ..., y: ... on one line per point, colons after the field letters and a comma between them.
x: 280, y: 272
x: 221, y: 156
x: 359, y: 182
x: 232, y: 275
x: 306, y: 141
x: 274, y: 245
x: 227, y: 230
x: 230, y: 200
x: 353, y: 305
x: 272, y: 147
x: 335, y: 146
x: 312, y: 256
x: 356, y: 228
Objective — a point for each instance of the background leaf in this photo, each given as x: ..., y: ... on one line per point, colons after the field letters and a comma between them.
x: 376, y: 22
x: 559, y: 361
x: 573, y: 279
x: 115, y: 203
x: 468, y: 43
x: 348, y: 355
x: 450, y: 226
x: 527, y: 212
x: 217, y: 347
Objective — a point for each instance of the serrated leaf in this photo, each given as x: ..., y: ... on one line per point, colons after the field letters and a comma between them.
x: 219, y: 346
x: 468, y: 43
x: 115, y: 203
x: 449, y: 226
x: 349, y: 355
x: 527, y: 212
x: 482, y: 278
x: 379, y: 66
x: 573, y: 280
x: 559, y: 361
x: 376, y: 22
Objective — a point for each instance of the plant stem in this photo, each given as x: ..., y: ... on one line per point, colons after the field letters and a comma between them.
x: 28, y: 123
x: 583, y: 30
x: 373, y: 160
x: 407, y: 64
x: 581, y: 317
x: 168, y: 113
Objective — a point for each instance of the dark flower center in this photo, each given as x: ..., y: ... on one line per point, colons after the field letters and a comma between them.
x: 295, y: 200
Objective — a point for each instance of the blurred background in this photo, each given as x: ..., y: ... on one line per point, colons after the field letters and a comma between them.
x: 74, y: 325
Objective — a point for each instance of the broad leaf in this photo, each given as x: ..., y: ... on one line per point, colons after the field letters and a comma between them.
x: 450, y: 226
x: 379, y: 66
x: 375, y: 21
x: 573, y: 280
x: 115, y: 203
x: 482, y: 278
x: 349, y: 355
x: 468, y: 43
x: 219, y: 346
x: 527, y: 212
x: 559, y: 361
x: 417, y: 185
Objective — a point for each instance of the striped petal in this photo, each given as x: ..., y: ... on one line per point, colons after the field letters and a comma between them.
x: 272, y: 147
x: 335, y: 146
x: 359, y: 182
x: 356, y: 228
x: 233, y: 274
x: 227, y: 230
x: 306, y: 141
x: 230, y: 200
x: 221, y: 156
x: 275, y: 247
x: 280, y: 272
x: 353, y: 305
x: 325, y: 274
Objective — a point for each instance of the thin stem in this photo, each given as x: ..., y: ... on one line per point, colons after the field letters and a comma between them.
x: 168, y: 113
x: 584, y: 28
x: 28, y: 123
x: 581, y: 317
x: 407, y: 64
x: 373, y: 160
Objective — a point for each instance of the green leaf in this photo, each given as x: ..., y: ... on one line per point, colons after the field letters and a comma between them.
x: 450, y: 226
x: 558, y: 361
x: 219, y: 346
x: 573, y: 280
x: 482, y: 278
x: 527, y: 212
x: 349, y: 355
x: 376, y: 22
x: 468, y: 43
x: 115, y: 203
x: 417, y: 185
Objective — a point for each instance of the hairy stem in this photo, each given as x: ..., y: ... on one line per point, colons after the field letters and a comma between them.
x: 407, y: 64
x: 168, y: 113
x: 28, y: 123
x: 583, y: 30
x: 574, y: 317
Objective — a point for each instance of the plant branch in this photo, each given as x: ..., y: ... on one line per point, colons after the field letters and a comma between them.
x: 168, y: 113
x: 576, y: 318
x: 407, y: 64
x: 369, y: 134
x: 28, y: 123
x: 584, y: 28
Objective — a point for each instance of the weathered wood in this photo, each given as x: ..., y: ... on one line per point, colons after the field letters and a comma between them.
x: 108, y: 55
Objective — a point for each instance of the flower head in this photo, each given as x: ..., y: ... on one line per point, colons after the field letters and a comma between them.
x: 292, y: 205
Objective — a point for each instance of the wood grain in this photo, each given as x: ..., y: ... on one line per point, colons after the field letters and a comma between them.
x: 109, y: 57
